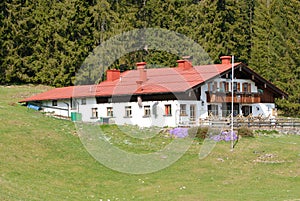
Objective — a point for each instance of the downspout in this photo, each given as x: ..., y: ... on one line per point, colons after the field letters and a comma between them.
x: 68, y: 108
x: 77, y: 105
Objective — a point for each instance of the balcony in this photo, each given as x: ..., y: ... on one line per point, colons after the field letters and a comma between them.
x: 239, y: 97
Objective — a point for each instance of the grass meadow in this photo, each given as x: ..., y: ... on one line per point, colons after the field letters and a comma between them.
x: 42, y: 158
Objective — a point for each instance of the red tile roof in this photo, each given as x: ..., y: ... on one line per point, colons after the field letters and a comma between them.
x: 160, y: 80
x: 63, y: 93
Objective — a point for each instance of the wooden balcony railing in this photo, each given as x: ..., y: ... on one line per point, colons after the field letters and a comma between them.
x: 239, y: 97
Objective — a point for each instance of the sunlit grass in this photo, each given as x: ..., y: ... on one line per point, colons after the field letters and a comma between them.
x: 42, y: 158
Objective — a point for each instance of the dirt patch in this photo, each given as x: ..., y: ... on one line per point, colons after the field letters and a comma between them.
x: 268, y: 158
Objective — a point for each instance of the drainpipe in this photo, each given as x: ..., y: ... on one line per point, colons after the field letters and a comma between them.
x: 68, y: 108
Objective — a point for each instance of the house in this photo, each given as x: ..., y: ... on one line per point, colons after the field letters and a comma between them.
x: 165, y: 96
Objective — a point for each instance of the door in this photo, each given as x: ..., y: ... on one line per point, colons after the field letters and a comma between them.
x: 226, y: 109
x: 246, y: 110
x: 193, y: 112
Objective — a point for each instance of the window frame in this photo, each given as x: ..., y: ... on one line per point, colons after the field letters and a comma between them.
x: 193, y: 112
x: 215, y: 86
x: 83, y: 101
x: 94, y: 113
x: 168, y: 110
x: 54, y: 103
x: 247, y: 87
x: 183, y: 110
x: 128, y: 112
x: 213, y: 109
x: 109, y: 111
x: 147, y: 111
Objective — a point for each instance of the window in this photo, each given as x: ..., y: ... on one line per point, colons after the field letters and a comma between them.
x: 94, y: 113
x: 247, y: 87
x: 212, y: 86
x: 128, y: 111
x: 73, y: 104
x: 110, y: 112
x: 193, y: 112
x: 224, y: 86
x: 147, y: 111
x: 246, y: 110
x: 183, y: 110
x: 54, y: 103
x: 168, y: 110
x: 209, y: 86
x: 215, y: 86
x: 236, y: 87
x: 83, y: 101
x: 213, y: 109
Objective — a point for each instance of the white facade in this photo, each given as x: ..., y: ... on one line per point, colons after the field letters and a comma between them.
x: 256, y: 109
x: 150, y: 113
x: 58, y: 107
x: 170, y: 113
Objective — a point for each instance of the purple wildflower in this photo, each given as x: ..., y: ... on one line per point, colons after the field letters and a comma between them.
x: 179, y: 132
x: 224, y: 136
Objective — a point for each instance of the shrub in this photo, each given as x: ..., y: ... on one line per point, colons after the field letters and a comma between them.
x: 266, y: 132
x: 245, y: 132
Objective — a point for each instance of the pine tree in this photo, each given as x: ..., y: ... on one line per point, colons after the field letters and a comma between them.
x: 226, y: 28
x: 274, y: 53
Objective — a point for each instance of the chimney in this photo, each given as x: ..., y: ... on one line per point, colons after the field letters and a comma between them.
x: 225, y: 59
x: 141, y: 67
x: 112, y: 75
x: 184, y: 64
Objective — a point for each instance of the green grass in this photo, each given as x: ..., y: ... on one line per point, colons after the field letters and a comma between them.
x: 42, y: 158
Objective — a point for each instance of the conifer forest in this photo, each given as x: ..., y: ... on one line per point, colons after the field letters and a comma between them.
x: 45, y: 42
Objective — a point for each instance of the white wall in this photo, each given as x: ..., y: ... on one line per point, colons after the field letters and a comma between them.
x: 203, y: 108
x: 86, y: 110
x: 61, y: 108
x: 138, y: 117
x: 264, y: 109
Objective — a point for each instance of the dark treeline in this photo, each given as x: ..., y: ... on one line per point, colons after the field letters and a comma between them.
x: 45, y: 42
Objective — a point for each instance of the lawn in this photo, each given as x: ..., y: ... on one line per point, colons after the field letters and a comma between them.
x: 42, y: 158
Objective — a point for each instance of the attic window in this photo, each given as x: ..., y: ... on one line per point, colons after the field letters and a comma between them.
x: 54, y: 103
